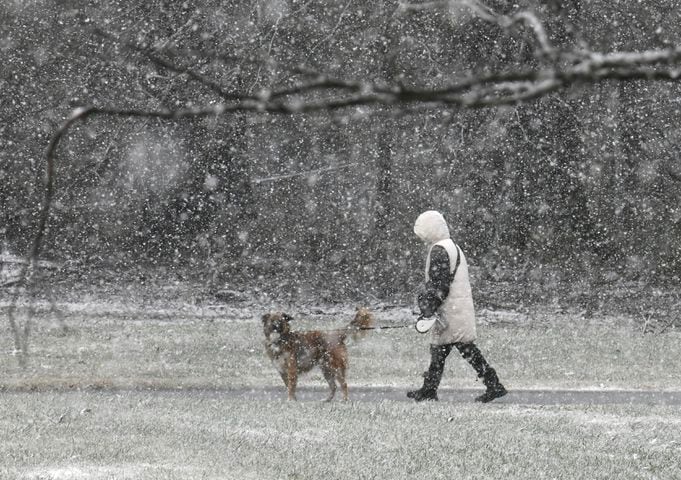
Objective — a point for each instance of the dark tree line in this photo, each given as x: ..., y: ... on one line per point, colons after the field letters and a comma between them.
x: 558, y: 169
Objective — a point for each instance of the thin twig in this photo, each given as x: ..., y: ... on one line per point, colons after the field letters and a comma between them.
x: 162, y: 62
x: 286, y: 176
x: 645, y: 325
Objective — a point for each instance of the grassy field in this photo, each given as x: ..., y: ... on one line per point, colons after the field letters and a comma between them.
x: 142, y: 435
x: 62, y: 416
x: 223, y: 348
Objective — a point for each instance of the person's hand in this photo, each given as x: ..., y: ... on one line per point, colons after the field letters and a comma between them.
x: 428, y: 302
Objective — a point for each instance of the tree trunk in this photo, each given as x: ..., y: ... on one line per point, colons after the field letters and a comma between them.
x: 381, y: 249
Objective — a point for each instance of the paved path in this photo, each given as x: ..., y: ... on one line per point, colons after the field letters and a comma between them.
x: 519, y: 397
x: 378, y: 394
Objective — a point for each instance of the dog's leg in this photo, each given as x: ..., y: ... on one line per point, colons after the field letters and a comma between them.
x: 340, y: 375
x: 330, y: 377
x: 291, y: 376
x: 284, y: 377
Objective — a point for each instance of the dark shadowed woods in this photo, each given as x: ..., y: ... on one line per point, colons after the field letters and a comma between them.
x: 557, y: 194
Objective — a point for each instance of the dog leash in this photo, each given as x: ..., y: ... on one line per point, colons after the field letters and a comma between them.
x: 427, y: 323
x: 385, y: 327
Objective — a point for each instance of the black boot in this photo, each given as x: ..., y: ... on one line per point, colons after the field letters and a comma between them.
x: 427, y: 392
x: 494, y: 387
x: 431, y: 378
x: 473, y: 355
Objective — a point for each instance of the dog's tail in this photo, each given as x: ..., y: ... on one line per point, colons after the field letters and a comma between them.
x: 360, y: 325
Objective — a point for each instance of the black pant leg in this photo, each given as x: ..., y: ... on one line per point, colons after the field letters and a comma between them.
x: 472, y: 354
x: 438, y: 356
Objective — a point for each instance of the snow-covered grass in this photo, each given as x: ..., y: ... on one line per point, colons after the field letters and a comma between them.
x: 221, y: 347
x: 180, y: 435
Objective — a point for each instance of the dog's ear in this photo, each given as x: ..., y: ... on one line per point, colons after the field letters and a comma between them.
x: 286, y: 317
x: 265, y: 318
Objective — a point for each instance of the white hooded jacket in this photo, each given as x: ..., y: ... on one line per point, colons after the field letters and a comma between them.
x: 457, y: 313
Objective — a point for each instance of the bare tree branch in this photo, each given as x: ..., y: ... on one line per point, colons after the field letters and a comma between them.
x: 495, y: 89
x: 482, y: 11
x: 534, y: 23
x: 162, y: 62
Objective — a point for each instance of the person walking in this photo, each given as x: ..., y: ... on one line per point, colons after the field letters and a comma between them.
x: 447, y: 295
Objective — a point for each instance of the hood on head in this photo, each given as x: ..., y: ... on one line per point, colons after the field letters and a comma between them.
x: 431, y: 227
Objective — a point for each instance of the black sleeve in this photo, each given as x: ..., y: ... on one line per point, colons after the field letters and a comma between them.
x: 437, y: 286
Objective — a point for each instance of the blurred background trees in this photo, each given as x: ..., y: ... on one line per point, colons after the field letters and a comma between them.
x: 584, y: 181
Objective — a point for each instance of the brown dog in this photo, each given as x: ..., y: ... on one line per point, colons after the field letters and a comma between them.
x: 294, y: 353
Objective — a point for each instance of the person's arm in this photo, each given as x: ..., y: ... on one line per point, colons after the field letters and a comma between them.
x: 437, y: 286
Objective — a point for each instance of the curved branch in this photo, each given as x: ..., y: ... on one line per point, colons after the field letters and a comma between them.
x: 536, y: 26
x: 482, y: 11
x: 25, y: 280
